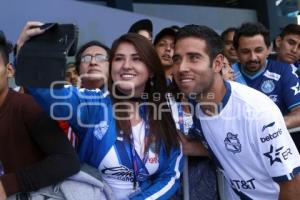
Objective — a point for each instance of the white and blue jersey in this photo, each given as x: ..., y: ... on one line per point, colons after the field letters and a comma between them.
x: 250, y: 143
x: 90, y: 113
x: 279, y: 81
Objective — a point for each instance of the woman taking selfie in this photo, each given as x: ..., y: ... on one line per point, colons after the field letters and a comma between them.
x: 129, y: 134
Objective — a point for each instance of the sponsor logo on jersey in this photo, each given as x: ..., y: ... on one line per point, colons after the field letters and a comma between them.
x: 243, y: 184
x: 271, y: 136
x: 272, y: 75
x: 232, y: 143
x: 267, y: 86
x: 276, y: 155
x: 153, y: 160
x: 296, y: 89
x: 125, y: 174
x: 274, y: 97
x: 268, y: 126
x: 100, y: 130
x: 121, y: 173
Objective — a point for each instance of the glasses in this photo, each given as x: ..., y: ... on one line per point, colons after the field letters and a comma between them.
x: 98, y: 58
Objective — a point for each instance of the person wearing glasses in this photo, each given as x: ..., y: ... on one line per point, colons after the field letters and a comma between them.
x: 127, y: 133
x: 91, y: 62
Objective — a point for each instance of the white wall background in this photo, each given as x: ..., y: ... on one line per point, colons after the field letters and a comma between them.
x: 95, y: 21
x: 217, y: 18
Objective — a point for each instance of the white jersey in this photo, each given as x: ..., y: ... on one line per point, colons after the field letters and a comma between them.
x: 250, y: 143
x: 117, y: 175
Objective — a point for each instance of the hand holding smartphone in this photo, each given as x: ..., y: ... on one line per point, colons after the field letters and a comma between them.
x: 42, y: 59
x: 47, y: 26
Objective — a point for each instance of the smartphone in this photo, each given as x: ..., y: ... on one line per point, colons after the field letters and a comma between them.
x: 42, y: 59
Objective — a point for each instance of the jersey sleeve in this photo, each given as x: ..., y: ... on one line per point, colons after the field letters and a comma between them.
x: 77, y: 106
x: 276, y: 148
x: 165, y: 184
x: 291, y: 87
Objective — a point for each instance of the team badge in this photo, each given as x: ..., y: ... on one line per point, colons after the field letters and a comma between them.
x: 268, y: 86
x: 232, y: 143
x: 100, y: 130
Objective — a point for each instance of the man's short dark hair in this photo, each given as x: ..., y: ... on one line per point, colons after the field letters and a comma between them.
x: 84, y: 47
x: 143, y: 24
x: 290, y: 29
x: 249, y: 30
x: 226, y: 31
x: 5, y: 48
x: 214, y: 43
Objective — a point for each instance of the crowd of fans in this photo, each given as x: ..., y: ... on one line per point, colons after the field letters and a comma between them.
x: 222, y: 117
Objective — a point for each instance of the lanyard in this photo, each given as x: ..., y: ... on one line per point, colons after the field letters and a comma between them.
x: 180, y: 118
x: 139, y: 174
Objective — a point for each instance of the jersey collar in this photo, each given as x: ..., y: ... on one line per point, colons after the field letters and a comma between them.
x: 257, y: 74
x: 225, y: 99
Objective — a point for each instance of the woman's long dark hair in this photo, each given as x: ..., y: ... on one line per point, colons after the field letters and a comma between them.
x: 163, y: 129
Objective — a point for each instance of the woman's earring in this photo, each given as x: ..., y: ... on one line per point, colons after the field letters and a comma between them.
x: 151, y: 81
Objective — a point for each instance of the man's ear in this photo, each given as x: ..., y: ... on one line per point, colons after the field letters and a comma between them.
x: 10, y: 70
x: 278, y: 41
x: 218, y: 63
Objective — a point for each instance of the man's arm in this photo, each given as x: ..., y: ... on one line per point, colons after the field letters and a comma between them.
x: 292, y: 119
x: 2, y: 192
x: 192, y: 147
x: 290, y: 190
x: 59, y: 163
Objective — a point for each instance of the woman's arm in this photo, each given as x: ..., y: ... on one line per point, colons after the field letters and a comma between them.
x: 192, y: 147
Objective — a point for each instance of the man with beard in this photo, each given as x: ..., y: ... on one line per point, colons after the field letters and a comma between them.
x: 277, y: 80
x: 164, y: 46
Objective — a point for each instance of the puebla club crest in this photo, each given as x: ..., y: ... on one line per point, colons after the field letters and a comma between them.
x: 232, y: 143
x: 100, y: 130
x: 268, y: 86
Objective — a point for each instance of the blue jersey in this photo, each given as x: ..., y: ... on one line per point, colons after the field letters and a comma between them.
x: 279, y: 81
x: 90, y: 113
